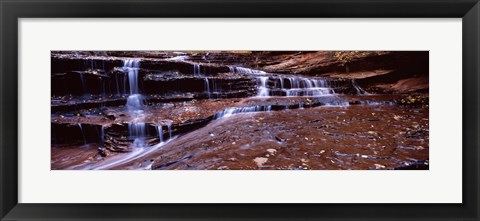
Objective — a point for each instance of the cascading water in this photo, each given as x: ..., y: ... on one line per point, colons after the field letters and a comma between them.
x: 359, y: 90
x: 178, y: 58
x: 84, y: 86
x: 207, y: 87
x: 292, y: 86
x: 160, y: 133
x: 300, y: 86
x: 134, y: 104
x: 196, y: 70
x: 93, y: 64
x: 237, y: 110
x: 83, y: 134
x: 102, y: 132
x: 262, y: 87
x: 282, y: 82
x: 132, y: 66
x: 169, y: 128
x: 118, y: 85
x: 137, y: 133
x: 242, y: 70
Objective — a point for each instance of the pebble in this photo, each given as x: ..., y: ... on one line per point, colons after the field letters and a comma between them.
x: 272, y: 151
x: 260, y: 160
x: 223, y: 168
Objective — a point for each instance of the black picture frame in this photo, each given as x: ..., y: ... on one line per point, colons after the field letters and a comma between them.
x: 12, y: 10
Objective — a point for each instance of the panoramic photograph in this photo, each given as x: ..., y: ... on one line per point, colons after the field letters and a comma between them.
x: 239, y: 110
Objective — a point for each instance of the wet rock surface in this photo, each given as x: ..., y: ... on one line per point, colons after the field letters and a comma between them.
x: 203, y: 110
x: 354, y: 137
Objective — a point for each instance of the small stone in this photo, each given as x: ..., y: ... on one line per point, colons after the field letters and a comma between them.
x: 260, y: 161
x: 272, y: 151
x: 419, y: 147
x: 379, y: 166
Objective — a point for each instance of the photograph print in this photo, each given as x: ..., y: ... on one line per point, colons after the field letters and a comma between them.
x: 239, y: 110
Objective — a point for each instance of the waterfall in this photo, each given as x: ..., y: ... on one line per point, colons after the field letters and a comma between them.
x: 132, y: 66
x: 237, y: 110
x: 169, y: 128
x: 301, y: 82
x: 134, y: 102
x: 124, y: 79
x: 117, y: 84
x: 84, y: 86
x: 359, y: 90
x: 178, y: 58
x: 207, y: 87
x: 83, y: 134
x: 102, y: 135
x: 137, y: 133
x: 137, y: 129
x: 262, y: 87
x: 282, y: 83
x: 242, y: 70
x: 196, y: 70
x: 292, y: 86
x: 93, y: 64
x: 160, y: 133
x: 301, y: 86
